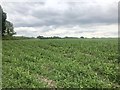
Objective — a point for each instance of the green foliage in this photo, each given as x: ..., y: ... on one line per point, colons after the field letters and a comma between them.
x: 66, y: 62
x: 2, y: 21
x: 7, y: 27
x: 81, y: 37
x: 3, y: 14
x: 54, y: 37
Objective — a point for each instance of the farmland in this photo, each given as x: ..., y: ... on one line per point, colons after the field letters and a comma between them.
x: 60, y: 63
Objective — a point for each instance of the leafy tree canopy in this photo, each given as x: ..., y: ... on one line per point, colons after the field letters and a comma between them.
x: 7, y: 26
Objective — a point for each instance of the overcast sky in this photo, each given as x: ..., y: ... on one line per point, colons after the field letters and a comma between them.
x: 74, y: 18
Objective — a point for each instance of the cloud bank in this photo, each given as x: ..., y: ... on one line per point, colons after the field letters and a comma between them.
x: 89, y: 18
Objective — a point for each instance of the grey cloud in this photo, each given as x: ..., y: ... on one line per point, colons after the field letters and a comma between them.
x: 76, y: 14
x: 44, y: 18
x: 85, y: 31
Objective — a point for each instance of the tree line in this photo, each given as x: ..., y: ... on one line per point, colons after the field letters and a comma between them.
x: 57, y: 37
x: 7, y: 26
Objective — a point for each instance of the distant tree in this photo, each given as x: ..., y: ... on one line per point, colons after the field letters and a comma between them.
x: 82, y: 37
x: 66, y: 37
x: 40, y: 37
x: 70, y: 37
x: 9, y: 28
x: 56, y: 37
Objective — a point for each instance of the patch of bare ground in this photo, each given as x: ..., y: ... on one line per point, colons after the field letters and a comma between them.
x: 50, y: 83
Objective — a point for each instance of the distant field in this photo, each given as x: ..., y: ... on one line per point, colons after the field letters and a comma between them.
x: 60, y: 63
